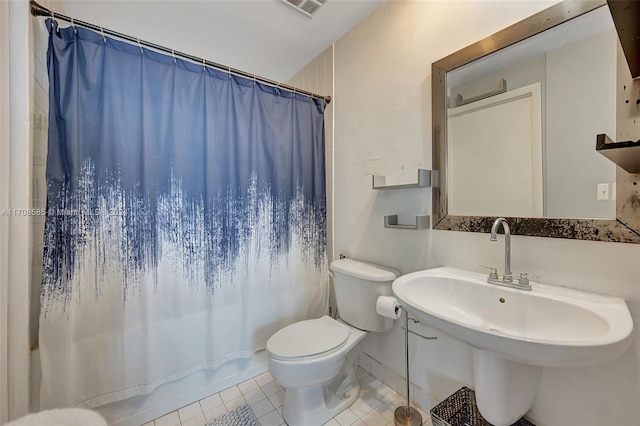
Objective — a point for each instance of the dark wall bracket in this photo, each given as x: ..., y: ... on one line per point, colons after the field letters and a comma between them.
x: 626, y: 17
x: 624, y: 154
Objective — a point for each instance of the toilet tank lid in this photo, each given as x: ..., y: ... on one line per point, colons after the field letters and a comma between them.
x: 364, y: 270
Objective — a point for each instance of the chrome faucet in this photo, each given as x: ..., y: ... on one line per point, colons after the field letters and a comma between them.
x: 507, y: 278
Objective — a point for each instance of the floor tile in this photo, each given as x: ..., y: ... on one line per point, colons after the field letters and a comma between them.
x: 346, y: 417
x: 235, y: 403
x: 210, y: 402
x: 364, y: 389
x: 271, y: 388
x: 386, y: 410
x: 277, y: 399
x: 264, y: 378
x: 373, y: 399
x: 190, y: 411
x: 149, y: 424
x: 195, y: 421
x: 385, y: 392
x: 230, y: 394
x: 248, y: 386
x: 373, y: 418
x: 261, y: 408
x: 170, y: 419
x: 360, y: 408
x: 397, y: 400
x: 270, y: 419
x: 215, y: 412
x: 254, y: 395
x: 372, y: 382
x: 374, y: 407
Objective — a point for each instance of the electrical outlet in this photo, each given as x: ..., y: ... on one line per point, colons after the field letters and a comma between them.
x: 603, y: 191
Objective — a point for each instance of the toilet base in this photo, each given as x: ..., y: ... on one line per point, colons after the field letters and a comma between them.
x: 308, y: 406
x: 317, y: 404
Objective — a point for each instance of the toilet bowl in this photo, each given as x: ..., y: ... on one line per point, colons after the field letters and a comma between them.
x: 310, y: 356
x: 315, y: 360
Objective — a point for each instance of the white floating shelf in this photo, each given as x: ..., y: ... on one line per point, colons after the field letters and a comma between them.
x: 424, y: 181
x: 391, y: 221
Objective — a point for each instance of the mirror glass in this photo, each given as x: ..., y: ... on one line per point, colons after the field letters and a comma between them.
x: 522, y: 125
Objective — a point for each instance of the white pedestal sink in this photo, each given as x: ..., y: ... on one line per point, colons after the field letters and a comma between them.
x: 515, y: 333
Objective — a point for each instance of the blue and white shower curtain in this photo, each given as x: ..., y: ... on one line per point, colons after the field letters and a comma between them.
x: 186, y: 218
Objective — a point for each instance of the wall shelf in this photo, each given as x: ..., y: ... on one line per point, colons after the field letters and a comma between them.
x: 391, y: 221
x: 624, y: 154
x: 424, y: 181
x: 626, y: 15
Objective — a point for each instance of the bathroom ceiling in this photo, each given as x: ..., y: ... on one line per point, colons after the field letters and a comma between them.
x: 265, y: 37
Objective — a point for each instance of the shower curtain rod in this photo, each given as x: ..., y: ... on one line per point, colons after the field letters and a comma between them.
x: 38, y: 10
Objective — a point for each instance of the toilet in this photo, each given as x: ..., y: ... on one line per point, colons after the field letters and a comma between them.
x: 316, y: 360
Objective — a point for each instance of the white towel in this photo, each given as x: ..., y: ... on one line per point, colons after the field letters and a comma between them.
x: 61, y: 417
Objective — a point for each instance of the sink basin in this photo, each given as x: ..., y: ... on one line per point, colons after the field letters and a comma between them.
x: 515, y: 333
x: 548, y: 326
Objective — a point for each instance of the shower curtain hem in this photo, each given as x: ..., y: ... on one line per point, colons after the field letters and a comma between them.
x: 166, y: 378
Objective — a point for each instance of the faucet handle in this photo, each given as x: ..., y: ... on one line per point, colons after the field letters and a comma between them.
x: 493, y: 272
x: 524, y: 278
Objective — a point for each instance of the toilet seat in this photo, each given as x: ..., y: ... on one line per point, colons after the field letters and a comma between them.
x: 308, y: 338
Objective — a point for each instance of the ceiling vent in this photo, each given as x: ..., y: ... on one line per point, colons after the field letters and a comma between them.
x: 307, y: 7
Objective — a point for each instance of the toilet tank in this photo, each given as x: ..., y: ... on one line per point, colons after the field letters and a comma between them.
x: 358, y: 285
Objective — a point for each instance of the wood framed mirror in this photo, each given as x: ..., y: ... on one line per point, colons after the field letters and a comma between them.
x: 454, y: 206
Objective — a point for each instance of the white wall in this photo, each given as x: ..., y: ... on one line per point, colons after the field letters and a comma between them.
x: 520, y: 74
x: 39, y: 124
x: 16, y: 240
x: 24, y: 191
x: 39, y: 113
x: 383, y: 125
x: 581, y: 103
x: 5, y: 135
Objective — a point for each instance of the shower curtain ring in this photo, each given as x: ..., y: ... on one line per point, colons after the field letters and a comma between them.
x: 103, y: 37
x: 140, y: 46
x: 229, y: 71
x: 174, y: 56
x: 203, y: 65
x: 75, y: 30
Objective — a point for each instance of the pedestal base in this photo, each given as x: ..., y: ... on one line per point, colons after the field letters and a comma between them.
x: 505, y: 390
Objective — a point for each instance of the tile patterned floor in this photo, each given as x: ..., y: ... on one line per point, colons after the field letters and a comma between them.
x: 374, y: 407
